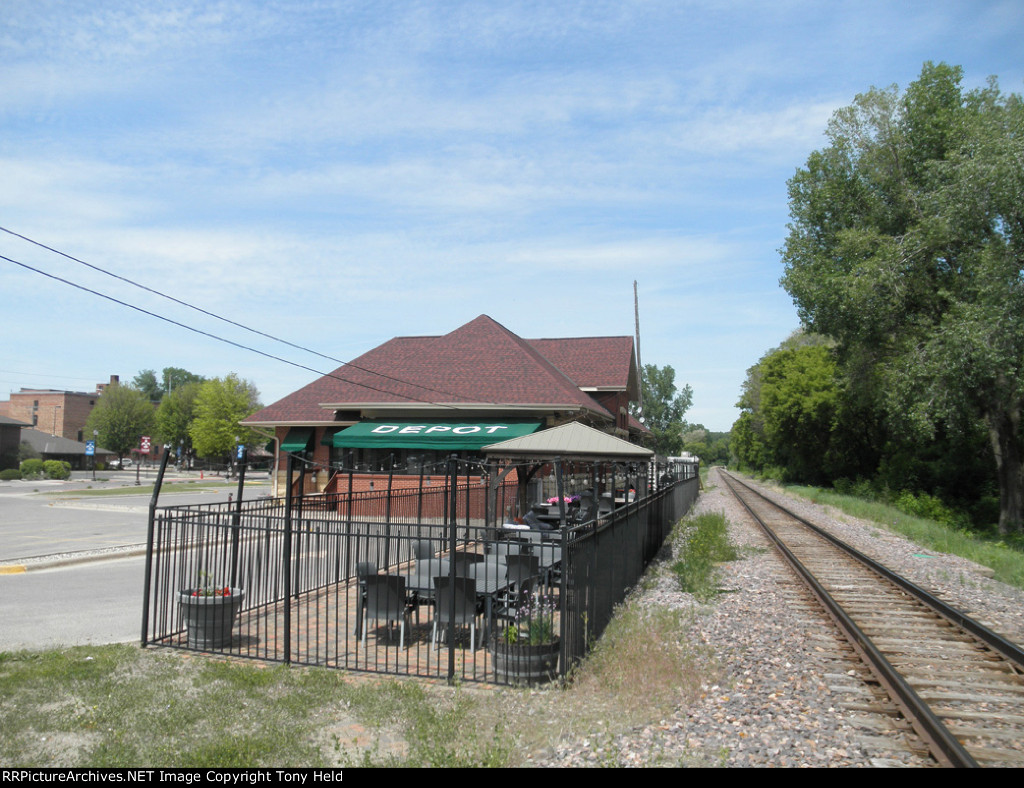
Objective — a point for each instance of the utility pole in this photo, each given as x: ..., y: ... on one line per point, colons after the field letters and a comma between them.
x: 639, y: 366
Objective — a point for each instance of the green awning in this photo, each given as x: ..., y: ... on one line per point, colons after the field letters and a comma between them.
x: 297, y: 439
x: 431, y: 434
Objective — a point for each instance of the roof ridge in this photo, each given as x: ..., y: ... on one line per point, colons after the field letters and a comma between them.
x: 481, y: 362
x: 558, y: 374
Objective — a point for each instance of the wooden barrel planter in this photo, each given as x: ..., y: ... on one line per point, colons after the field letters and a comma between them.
x: 516, y: 663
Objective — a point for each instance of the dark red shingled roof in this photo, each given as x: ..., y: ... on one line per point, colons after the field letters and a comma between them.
x: 592, y: 362
x: 481, y: 362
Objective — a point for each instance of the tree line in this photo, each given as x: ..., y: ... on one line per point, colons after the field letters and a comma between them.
x: 194, y: 416
x: 905, y: 259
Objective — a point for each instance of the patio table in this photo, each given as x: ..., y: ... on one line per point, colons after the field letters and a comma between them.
x: 488, y: 572
x: 420, y: 577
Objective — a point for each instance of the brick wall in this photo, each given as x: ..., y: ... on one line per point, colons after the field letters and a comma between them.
x: 62, y: 413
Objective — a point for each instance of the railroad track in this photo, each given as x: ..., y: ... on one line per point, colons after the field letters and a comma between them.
x: 960, y: 685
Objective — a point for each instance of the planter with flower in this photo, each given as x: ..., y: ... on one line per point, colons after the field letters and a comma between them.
x: 526, y: 650
x: 209, y: 612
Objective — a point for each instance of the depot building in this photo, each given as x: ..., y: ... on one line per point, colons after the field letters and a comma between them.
x: 404, y: 407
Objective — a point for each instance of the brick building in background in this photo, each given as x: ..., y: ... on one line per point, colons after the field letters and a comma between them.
x: 59, y: 413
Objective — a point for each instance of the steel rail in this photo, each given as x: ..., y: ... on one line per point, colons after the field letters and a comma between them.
x: 942, y: 743
x: 993, y: 640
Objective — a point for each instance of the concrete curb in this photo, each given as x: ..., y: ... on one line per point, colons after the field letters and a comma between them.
x: 71, y: 559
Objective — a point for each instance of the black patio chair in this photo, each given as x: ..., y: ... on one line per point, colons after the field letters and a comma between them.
x: 422, y: 549
x: 463, y: 562
x: 461, y: 592
x: 363, y: 570
x: 386, y: 599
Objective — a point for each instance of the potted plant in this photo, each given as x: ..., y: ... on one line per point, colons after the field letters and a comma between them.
x: 209, y: 611
x: 526, y: 650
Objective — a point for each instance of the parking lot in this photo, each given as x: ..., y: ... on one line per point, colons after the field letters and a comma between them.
x: 71, y: 554
x: 45, y: 517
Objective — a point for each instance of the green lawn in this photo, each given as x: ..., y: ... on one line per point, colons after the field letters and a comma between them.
x: 123, y: 706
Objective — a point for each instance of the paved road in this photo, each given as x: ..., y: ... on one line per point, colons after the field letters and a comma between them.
x: 45, y: 605
x: 42, y: 518
x: 91, y: 603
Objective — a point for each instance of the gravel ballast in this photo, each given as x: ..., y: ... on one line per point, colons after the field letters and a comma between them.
x: 788, y: 692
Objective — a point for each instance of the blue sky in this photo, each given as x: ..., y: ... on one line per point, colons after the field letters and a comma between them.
x: 339, y: 173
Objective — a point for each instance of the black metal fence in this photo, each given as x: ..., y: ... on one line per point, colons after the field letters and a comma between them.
x: 422, y: 584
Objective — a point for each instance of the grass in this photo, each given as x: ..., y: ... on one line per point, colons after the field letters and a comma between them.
x: 1006, y: 562
x: 147, y: 489
x: 705, y: 543
x: 122, y: 706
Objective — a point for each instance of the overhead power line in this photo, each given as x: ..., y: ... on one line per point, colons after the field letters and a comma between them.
x: 215, y: 316
x: 239, y: 345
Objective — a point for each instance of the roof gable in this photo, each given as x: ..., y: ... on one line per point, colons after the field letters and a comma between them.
x: 481, y: 362
x: 594, y: 362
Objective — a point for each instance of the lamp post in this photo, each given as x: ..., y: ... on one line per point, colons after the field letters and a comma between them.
x: 95, y: 437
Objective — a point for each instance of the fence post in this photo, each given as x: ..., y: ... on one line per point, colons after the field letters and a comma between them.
x: 560, y: 492
x: 419, y: 499
x: 236, y: 518
x: 286, y: 570
x: 563, y: 597
x: 453, y: 513
x: 150, y: 527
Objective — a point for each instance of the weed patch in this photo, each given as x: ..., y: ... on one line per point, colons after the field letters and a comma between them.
x: 703, y: 543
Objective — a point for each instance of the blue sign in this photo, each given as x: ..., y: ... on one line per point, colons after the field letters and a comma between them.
x: 90, y: 448
x: 241, y: 451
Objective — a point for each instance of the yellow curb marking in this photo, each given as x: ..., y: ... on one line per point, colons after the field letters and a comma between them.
x: 12, y: 569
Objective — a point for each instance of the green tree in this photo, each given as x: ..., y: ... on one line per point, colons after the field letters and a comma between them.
x: 219, y: 405
x: 747, y: 448
x: 176, y: 377
x: 175, y: 415
x: 799, y: 401
x: 147, y: 383
x: 907, y: 246
x: 664, y: 408
x: 121, y: 417
x: 790, y: 402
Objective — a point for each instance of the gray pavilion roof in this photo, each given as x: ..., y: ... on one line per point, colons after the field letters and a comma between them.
x: 573, y: 440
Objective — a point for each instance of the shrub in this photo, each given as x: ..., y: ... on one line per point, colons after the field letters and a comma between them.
x: 57, y: 469
x: 10, y: 474
x: 32, y: 469
x: 928, y: 507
